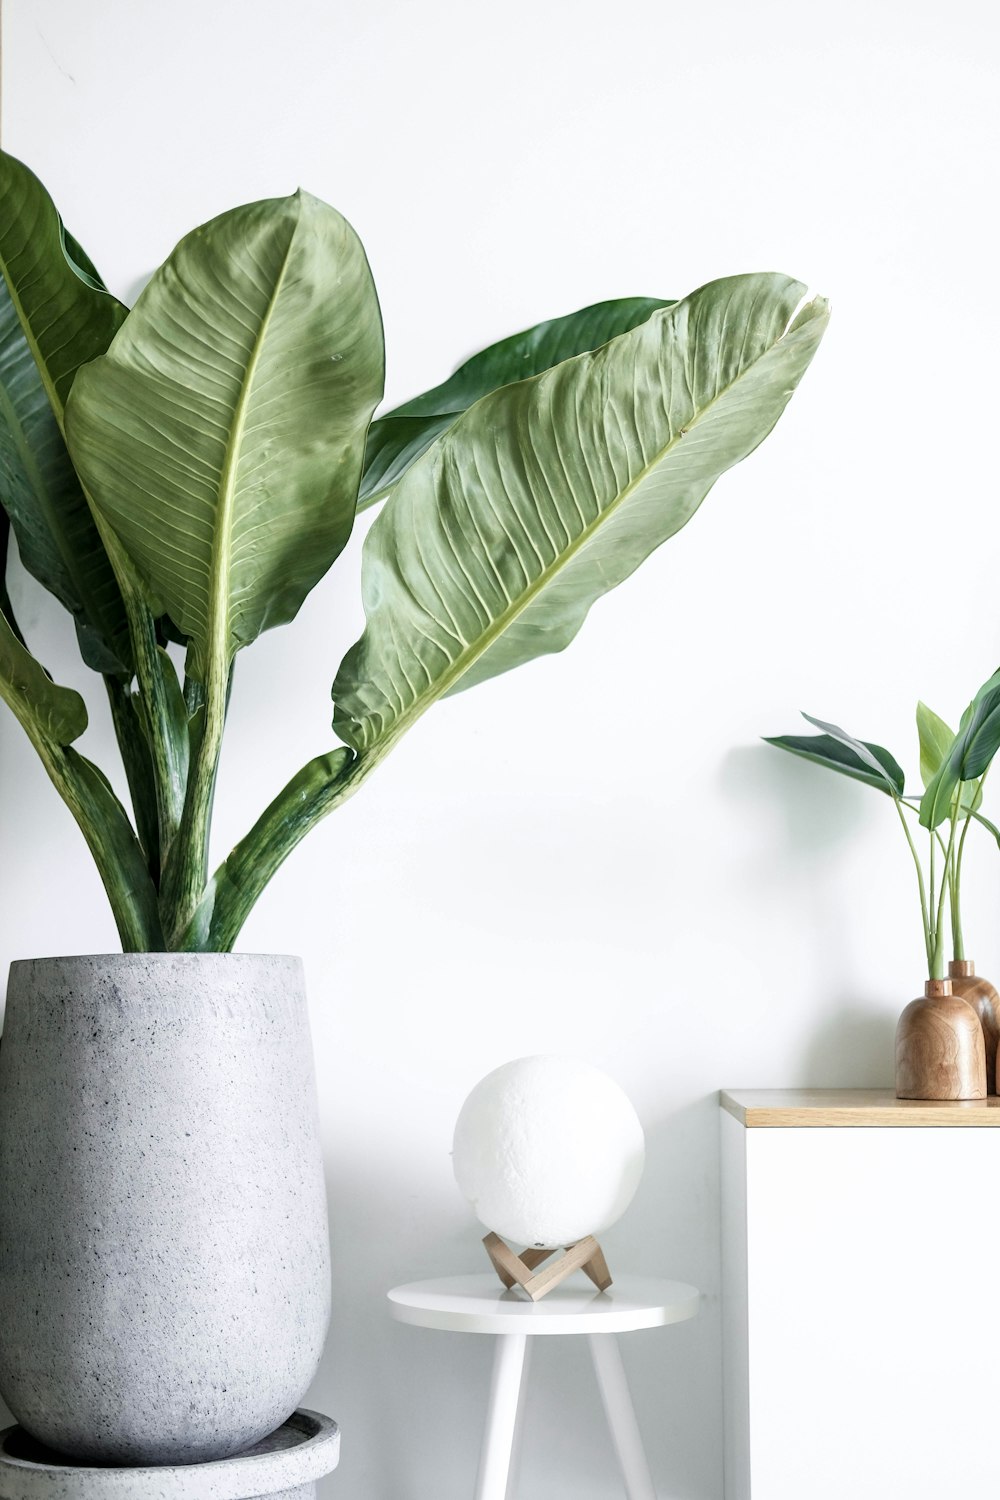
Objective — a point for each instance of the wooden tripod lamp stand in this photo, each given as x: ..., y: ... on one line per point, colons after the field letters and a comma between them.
x: 519, y: 1270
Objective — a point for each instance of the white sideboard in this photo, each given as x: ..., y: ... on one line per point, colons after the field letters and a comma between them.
x: 861, y: 1242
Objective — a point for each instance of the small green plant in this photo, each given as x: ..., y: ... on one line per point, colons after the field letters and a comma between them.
x: 185, y: 472
x: 953, y: 768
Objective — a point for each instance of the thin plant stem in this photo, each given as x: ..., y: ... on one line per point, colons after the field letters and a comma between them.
x: 937, y: 962
x: 920, y: 884
x: 956, y: 899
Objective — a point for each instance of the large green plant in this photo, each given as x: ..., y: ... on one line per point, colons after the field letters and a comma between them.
x: 187, y: 471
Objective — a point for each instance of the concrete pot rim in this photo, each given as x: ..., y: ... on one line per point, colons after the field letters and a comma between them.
x: 305, y: 1448
x: 124, y: 960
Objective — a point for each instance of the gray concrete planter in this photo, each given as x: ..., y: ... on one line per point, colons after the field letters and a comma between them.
x: 285, y: 1466
x: 164, y: 1271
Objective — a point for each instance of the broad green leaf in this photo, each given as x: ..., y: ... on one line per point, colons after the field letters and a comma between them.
x: 825, y: 750
x: 547, y: 493
x: 865, y: 753
x: 936, y: 740
x: 55, y: 714
x: 971, y: 752
x: 56, y: 536
x: 397, y: 439
x: 222, y: 435
x: 54, y: 315
x: 67, y: 316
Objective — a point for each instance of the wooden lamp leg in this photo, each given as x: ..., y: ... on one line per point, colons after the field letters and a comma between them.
x: 519, y: 1270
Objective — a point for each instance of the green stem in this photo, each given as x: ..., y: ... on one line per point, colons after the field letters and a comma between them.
x: 956, y: 896
x: 166, y: 756
x: 187, y: 871
x: 928, y: 946
x: 138, y: 770
x: 937, y: 965
x: 311, y: 794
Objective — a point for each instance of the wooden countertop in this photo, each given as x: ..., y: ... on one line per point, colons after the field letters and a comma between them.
x: 770, y: 1108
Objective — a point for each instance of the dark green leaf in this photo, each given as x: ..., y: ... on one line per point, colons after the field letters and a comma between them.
x: 877, y: 760
x: 836, y: 755
x: 54, y: 315
x: 67, y: 316
x: 971, y: 752
x: 56, y: 535
x: 399, y: 437
x: 45, y: 710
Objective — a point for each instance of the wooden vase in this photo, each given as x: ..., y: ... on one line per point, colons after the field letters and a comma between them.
x: 985, y: 1001
x: 940, y: 1047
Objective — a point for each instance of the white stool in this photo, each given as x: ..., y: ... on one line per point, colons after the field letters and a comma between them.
x: 479, y: 1304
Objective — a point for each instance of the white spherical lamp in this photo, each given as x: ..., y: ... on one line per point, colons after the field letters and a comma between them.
x: 548, y: 1150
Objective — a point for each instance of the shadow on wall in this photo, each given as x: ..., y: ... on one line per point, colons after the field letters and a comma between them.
x: 794, y: 843
x: 786, y: 794
x: 852, y: 1048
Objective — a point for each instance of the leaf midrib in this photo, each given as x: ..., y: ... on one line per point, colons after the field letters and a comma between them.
x: 217, y: 666
x: 470, y: 655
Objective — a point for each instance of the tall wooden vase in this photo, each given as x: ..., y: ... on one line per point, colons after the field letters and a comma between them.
x: 985, y: 1001
x: 940, y: 1047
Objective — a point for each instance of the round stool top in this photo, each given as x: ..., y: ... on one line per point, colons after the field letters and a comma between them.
x: 305, y: 1448
x: 480, y: 1304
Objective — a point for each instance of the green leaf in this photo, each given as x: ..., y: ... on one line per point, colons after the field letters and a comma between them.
x: 56, y: 536
x: 397, y: 439
x: 878, y: 761
x: 836, y: 755
x: 54, y: 315
x: 45, y: 710
x: 116, y: 850
x: 222, y: 435
x: 971, y: 752
x: 936, y: 740
x: 67, y: 316
x: 547, y: 493
x: 53, y: 717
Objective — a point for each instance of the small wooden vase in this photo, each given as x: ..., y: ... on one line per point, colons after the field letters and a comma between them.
x: 985, y: 1001
x: 940, y: 1047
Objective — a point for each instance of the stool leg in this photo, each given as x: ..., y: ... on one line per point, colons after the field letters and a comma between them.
x: 515, y: 1457
x: 501, y: 1417
x: 621, y: 1416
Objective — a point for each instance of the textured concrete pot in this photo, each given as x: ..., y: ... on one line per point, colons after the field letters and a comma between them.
x: 285, y: 1466
x: 164, y: 1271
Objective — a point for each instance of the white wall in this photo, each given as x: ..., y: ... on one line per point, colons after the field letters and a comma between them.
x: 594, y: 853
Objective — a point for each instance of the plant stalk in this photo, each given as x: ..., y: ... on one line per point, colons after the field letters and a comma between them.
x: 138, y: 770
x: 186, y: 873
x: 924, y: 911
x: 312, y: 793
